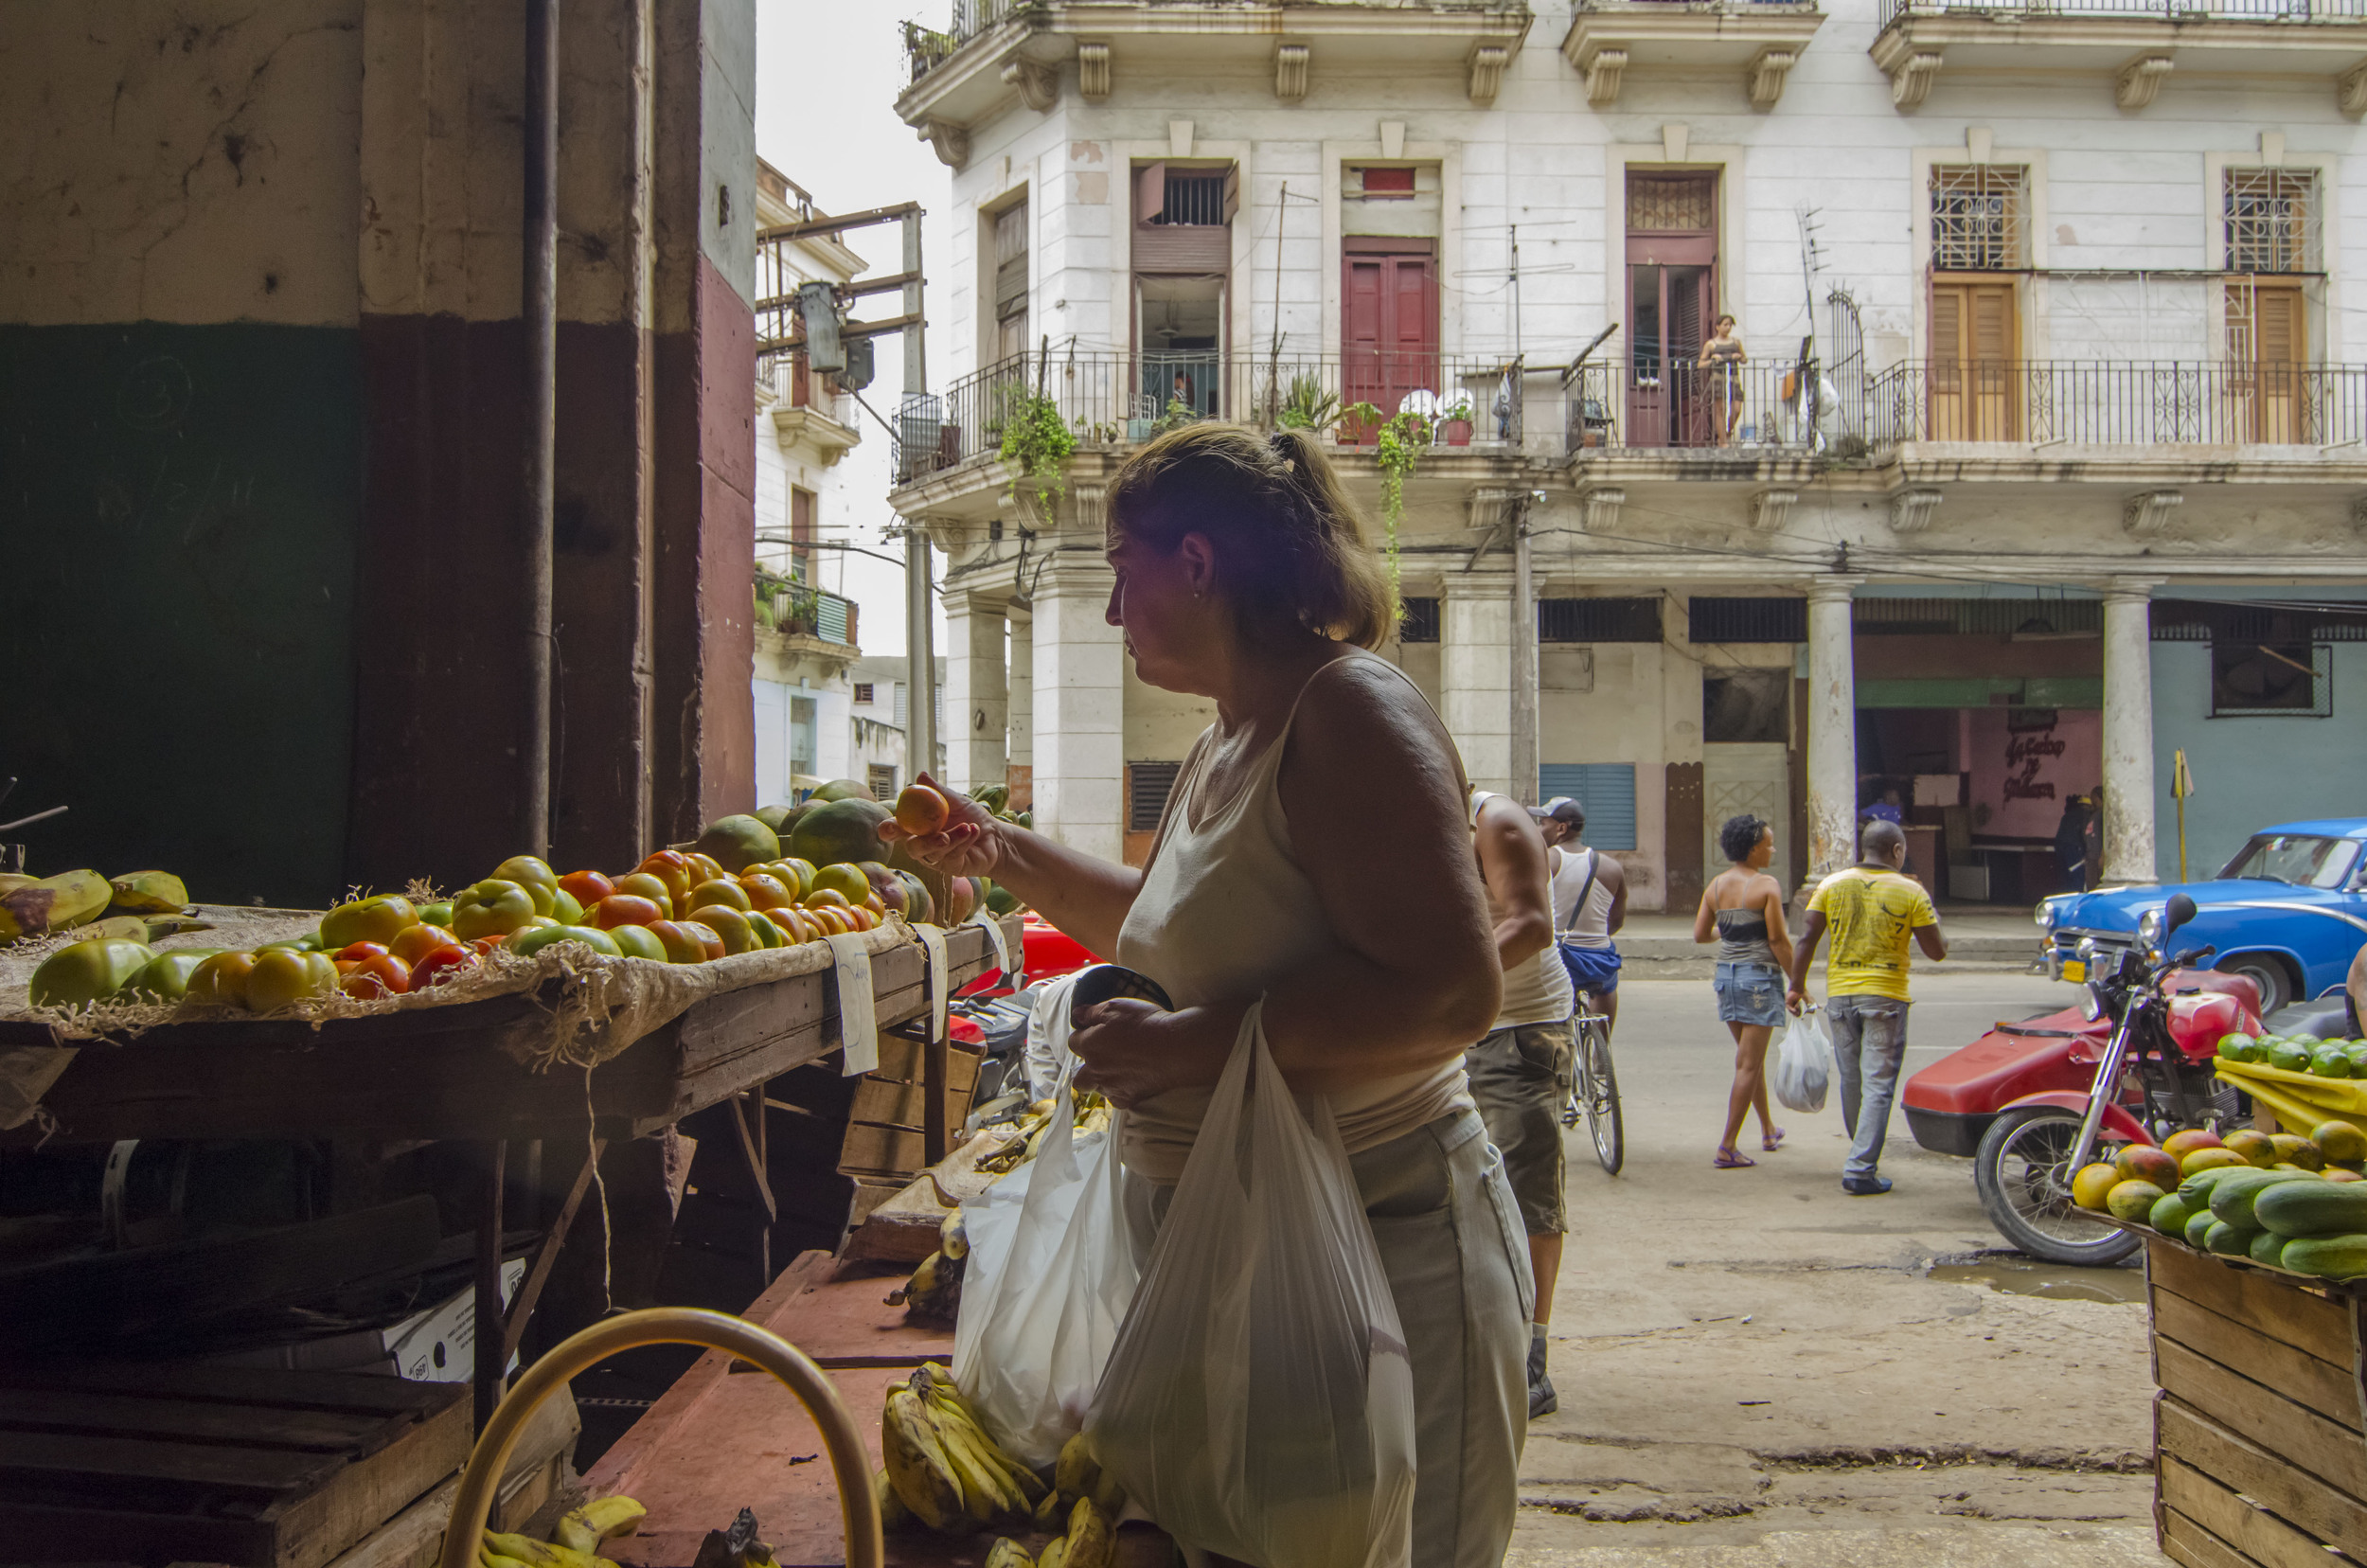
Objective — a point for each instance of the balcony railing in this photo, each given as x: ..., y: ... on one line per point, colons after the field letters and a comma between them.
x: 2131, y: 10
x: 1114, y: 399
x: 797, y: 387
x: 784, y: 604
x: 925, y: 48
x: 1650, y: 403
x: 2145, y: 403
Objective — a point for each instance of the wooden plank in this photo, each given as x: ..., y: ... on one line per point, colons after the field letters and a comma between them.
x: 188, y: 1282
x: 901, y: 1061
x: 2243, y: 1525
x: 2302, y: 1436
x: 2327, y: 1389
x: 64, y: 1532
x: 891, y: 1151
x: 59, y: 1457
x: 894, y: 1104
x: 2184, y: 1541
x: 316, y: 1527
x: 245, y: 1386
x: 2283, y: 1310
x: 64, y: 1411
x: 2237, y: 1462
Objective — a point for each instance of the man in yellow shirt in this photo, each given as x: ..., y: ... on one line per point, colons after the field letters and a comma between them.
x: 1870, y: 908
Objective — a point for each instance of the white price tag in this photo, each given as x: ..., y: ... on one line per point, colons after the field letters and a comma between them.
x: 858, y: 1021
x: 1002, y: 945
x: 932, y: 939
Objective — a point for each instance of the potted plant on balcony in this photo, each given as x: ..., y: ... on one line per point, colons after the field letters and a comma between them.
x: 1036, y: 445
x: 1307, y: 406
x: 1454, y: 421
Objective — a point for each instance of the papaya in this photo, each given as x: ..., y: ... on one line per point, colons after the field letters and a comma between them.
x: 2093, y: 1183
x: 2296, y: 1150
x: 2198, y: 1227
x: 2170, y: 1215
x: 2265, y: 1246
x: 2232, y: 1197
x: 2313, y: 1208
x: 2327, y: 1256
x: 2342, y: 1141
x: 840, y: 832
x: 842, y: 788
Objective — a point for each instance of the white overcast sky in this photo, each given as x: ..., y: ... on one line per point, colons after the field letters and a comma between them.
x: 827, y: 72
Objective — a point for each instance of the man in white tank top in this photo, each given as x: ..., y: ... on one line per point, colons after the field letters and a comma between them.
x: 1590, y: 906
x: 1520, y: 1075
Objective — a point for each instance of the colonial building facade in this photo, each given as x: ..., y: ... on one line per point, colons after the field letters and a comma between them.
x: 2035, y: 457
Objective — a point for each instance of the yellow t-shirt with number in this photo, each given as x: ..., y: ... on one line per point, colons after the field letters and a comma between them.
x: 1870, y: 915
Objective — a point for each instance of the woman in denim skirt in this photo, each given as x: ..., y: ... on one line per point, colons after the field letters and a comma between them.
x: 1743, y: 909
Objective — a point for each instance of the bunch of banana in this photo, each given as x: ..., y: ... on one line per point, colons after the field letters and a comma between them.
x: 34, y: 906
x: 1091, y: 1540
x: 1092, y: 1116
x: 935, y: 1290
x: 602, y: 1519
x: 941, y: 1465
x: 498, y: 1550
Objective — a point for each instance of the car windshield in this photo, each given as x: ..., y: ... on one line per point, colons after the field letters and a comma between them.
x: 2300, y: 859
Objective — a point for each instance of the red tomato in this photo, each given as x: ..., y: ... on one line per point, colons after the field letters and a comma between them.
x: 487, y: 944
x: 416, y: 942
x: 441, y: 964
x: 625, y: 909
x: 356, y: 951
x: 589, y: 887
x: 385, y: 975
x: 706, y: 936
x: 672, y: 867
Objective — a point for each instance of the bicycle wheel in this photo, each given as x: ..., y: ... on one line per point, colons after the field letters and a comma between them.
x: 1599, y: 1093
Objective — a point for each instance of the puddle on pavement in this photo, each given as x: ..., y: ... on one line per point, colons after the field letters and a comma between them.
x: 2014, y: 1275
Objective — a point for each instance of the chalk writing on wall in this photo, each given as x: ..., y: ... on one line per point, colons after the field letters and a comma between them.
x: 2030, y: 744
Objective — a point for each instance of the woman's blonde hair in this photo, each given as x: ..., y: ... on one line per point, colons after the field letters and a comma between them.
x: 1289, y: 543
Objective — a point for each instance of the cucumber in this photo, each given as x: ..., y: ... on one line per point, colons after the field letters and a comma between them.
x: 2327, y: 1256
x: 2315, y: 1208
x: 2198, y: 1227
x: 2266, y: 1247
x: 2229, y: 1240
x: 2169, y: 1214
x: 2231, y: 1199
x: 2196, y: 1190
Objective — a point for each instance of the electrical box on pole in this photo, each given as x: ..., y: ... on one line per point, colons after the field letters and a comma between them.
x: 817, y: 307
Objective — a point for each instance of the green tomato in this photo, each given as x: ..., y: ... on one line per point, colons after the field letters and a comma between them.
x: 492, y: 908
x: 637, y: 942
x: 564, y: 909
x: 166, y: 977
x: 437, y: 913
x: 85, y: 972
x: 535, y: 938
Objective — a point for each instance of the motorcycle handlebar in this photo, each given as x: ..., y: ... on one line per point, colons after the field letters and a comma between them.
x: 2190, y: 957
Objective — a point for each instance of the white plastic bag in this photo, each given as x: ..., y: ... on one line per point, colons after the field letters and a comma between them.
x: 1051, y: 1270
x: 1260, y: 1404
x: 1803, y: 1056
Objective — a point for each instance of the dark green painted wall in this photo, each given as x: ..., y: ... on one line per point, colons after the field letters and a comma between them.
x: 178, y: 514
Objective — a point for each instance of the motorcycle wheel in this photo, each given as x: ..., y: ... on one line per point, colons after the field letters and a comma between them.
x: 2022, y: 1174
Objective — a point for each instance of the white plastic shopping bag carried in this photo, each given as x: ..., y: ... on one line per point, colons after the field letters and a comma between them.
x: 1260, y: 1404
x: 1051, y: 1270
x: 1803, y: 1054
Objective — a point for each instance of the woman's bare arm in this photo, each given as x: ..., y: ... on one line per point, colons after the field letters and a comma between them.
x: 1705, y: 918
x: 1083, y: 896
x: 1778, y: 936
x: 1414, y: 981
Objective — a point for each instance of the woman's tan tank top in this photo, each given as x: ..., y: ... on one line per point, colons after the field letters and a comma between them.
x: 1225, y: 911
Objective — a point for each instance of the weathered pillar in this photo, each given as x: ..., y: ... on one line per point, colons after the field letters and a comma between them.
x: 976, y: 691
x: 1018, y: 766
x: 2128, y: 732
x: 1832, y: 729
x: 1475, y: 676
x: 1522, y: 626
x: 1079, y: 703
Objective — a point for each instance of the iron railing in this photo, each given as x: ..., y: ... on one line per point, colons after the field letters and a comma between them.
x: 785, y: 604
x: 1116, y: 398
x: 2337, y: 11
x: 925, y: 48
x: 2140, y: 402
x: 1651, y: 404
x: 798, y: 388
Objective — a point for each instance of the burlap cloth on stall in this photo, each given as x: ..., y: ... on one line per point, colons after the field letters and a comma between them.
x: 596, y: 1005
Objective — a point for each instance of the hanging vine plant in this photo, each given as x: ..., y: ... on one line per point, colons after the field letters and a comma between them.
x: 1398, y: 451
x: 1036, y: 445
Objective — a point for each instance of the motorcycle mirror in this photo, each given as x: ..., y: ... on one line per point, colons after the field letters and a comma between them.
x: 2176, y: 913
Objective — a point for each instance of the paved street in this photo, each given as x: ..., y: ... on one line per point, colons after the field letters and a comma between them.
x: 1757, y: 1367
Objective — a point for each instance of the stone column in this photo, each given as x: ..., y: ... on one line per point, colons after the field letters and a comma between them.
x: 1021, y: 747
x: 1475, y: 676
x: 976, y: 700
x: 1832, y: 729
x: 2128, y: 855
x: 1079, y: 704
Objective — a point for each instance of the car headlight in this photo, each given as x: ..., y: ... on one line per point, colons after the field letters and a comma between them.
x: 2087, y: 950
x: 2044, y: 914
x: 2149, y: 927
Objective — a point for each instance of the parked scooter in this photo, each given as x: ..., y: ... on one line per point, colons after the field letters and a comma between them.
x: 2034, y: 1101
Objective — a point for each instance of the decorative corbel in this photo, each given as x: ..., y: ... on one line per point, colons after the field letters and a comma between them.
x: 1912, y: 510
x: 1093, y: 71
x: 2147, y: 514
x: 1599, y: 510
x: 1602, y: 77
x: 2350, y: 90
x: 1485, y: 508
x: 1289, y: 72
x: 2138, y: 80
x: 1487, y: 73
x: 1765, y: 76
x: 951, y: 142
x: 1039, y: 86
x: 1085, y: 506
x: 1771, y: 509
x: 1911, y: 83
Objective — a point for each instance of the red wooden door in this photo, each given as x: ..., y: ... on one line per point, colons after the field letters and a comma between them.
x: 1389, y: 336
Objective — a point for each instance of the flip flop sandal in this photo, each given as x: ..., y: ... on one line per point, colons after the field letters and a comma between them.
x: 1772, y: 1141
x: 1728, y: 1159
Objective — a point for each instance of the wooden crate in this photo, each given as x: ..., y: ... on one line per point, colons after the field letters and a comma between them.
x: 2260, y: 1428
x: 243, y: 1465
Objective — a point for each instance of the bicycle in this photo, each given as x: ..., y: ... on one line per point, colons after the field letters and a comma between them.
x: 1595, y: 1091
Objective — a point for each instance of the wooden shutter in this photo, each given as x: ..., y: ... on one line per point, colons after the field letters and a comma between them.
x: 1232, y: 192
x: 2279, y: 346
x: 1975, y: 372
x: 1151, y: 191
x: 801, y: 530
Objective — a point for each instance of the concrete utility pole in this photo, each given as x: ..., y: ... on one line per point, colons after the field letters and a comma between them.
x: 1524, y: 762
x: 920, y: 679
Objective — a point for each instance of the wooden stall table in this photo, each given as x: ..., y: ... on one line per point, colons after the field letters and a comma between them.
x: 441, y: 1072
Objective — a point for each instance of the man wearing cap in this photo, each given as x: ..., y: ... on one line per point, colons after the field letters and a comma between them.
x: 1590, y: 897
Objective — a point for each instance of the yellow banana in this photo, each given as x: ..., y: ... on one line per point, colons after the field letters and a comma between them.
x: 1108, y: 1495
x: 893, y: 1514
x: 53, y: 903
x: 982, y: 1489
x: 1054, y: 1555
x: 917, y: 1463
x: 602, y: 1519
x: 1092, y: 1543
x: 1048, y: 1512
x: 522, y: 1548
x: 1077, y: 1472
x: 148, y: 893
x: 952, y: 1239
x: 1006, y: 1553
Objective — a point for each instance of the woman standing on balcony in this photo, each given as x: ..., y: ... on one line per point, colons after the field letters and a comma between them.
x: 1722, y: 358
x: 1244, y: 575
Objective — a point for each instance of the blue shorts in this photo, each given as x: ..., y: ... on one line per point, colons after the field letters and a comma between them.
x: 1594, y: 970
x: 1750, y: 993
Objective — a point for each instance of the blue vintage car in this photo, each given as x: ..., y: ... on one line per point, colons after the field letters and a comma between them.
x: 2289, y: 910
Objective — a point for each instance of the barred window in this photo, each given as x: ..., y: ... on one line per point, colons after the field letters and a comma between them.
x: 1420, y: 624
x: 1746, y: 620
x: 1194, y: 196
x: 1977, y: 217
x: 2271, y: 216
x: 1598, y: 620
x: 1681, y: 202
x: 1147, y: 786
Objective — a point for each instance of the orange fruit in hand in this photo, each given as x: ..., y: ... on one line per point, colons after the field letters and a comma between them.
x: 922, y: 810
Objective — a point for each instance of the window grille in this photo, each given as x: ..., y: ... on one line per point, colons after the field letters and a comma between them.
x: 2194, y: 621
x: 1746, y: 620
x: 1977, y: 617
x: 1598, y: 620
x: 1147, y: 786
x: 2251, y: 680
x: 863, y: 691
x: 1420, y: 624
x: 1977, y: 217
x: 2271, y: 216
x: 881, y: 777
x: 1672, y: 201
x: 1194, y: 197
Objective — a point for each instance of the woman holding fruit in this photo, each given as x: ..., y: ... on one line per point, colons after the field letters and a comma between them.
x: 1243, y: 575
